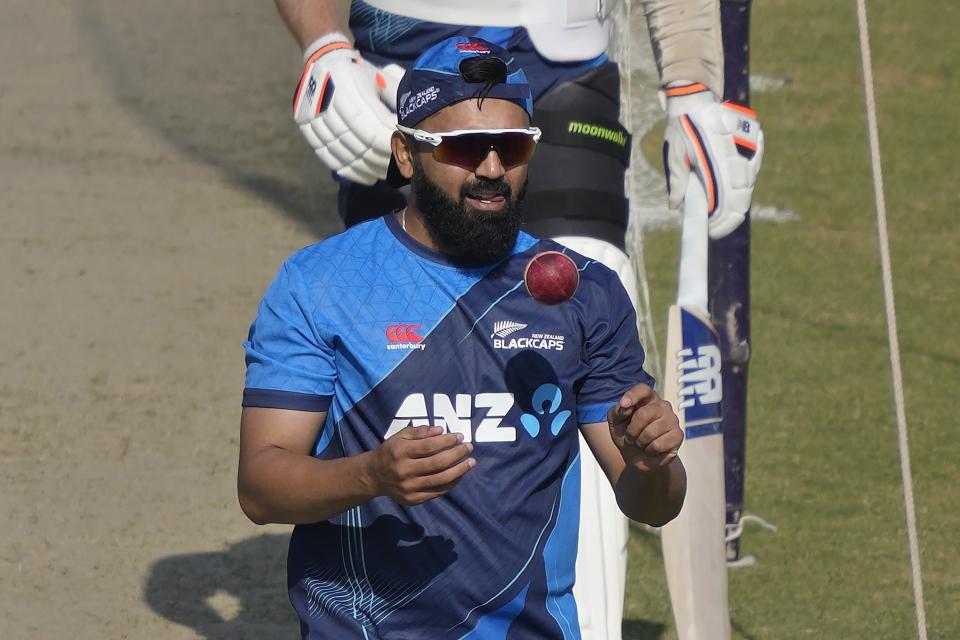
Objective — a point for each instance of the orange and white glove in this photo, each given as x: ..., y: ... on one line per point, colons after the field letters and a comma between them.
x: 343, y: 108
x: 721, y: 143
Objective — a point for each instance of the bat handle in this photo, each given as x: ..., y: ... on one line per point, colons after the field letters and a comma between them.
x: 692, y: 284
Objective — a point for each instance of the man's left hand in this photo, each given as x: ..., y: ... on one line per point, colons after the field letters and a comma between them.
x: 718, y: 143
x: 645, y: 429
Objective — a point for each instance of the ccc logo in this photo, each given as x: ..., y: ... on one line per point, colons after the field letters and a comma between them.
x: 403, y: 333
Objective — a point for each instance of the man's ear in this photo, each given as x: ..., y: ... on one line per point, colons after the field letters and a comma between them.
x: 402, y: 153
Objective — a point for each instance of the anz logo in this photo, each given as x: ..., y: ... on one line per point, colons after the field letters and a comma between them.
x: 456, y: 414
x: 700, y: 380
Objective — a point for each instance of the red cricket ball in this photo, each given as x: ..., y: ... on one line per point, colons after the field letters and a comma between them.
x: 551, y: 277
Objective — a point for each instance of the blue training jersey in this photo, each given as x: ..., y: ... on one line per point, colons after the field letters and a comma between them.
x: 383, y: 37
x: 382, y: 333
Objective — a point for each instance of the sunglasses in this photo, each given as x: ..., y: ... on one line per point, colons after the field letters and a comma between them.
x: 467, y: 148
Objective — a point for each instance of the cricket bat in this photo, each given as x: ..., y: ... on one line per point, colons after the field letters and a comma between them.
x: 694, y: 550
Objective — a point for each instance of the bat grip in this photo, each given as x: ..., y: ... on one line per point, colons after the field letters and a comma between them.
x: 692, y: 283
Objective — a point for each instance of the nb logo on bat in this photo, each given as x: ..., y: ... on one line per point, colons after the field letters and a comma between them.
x: 700, y: 381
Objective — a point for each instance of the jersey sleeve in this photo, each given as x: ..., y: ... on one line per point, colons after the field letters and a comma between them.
x: 613, y: 354
x: 290, y: 363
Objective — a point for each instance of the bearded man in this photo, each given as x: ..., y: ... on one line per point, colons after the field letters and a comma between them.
x: 413, y: 408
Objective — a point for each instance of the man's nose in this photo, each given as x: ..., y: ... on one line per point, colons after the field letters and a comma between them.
x: 490, y: 167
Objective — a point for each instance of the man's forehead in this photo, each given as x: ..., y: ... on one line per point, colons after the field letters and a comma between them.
x: 492, y: 113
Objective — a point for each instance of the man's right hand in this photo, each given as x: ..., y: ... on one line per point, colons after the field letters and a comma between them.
x: 418, y: 464
x: 342, y: 106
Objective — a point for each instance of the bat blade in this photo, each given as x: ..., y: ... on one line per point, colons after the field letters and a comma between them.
x: 694, y: 550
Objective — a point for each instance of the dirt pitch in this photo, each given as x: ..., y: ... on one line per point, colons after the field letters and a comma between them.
x: 150, y: 184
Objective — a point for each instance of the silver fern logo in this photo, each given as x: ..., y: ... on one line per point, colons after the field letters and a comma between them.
x: 505, y: 327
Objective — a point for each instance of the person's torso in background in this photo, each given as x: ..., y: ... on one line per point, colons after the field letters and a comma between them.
x: 383, y: 37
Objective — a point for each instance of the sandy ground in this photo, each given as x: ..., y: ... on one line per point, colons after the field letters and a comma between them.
x: 150, y: 184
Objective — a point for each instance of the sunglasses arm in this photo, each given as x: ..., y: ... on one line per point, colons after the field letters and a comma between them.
x: 436, y: 138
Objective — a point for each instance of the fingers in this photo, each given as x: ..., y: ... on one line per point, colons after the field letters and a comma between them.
x: 640, y: 394
x: 441, y: 460
x: 637, y: 396
x: 617, y: 416
x: 428, y: 487
x: 645, y: 427
x: 430, y: 442
x: 419, y: 463
x: 662, y: 450
x: 662, y: 436
x: 417, y: 489
x: 420, y: 432
x: 620, y: 414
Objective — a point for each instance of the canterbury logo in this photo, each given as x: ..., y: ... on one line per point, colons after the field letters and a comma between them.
x: 506, y: 327
x: 475, y: 47
x: 403, y: 333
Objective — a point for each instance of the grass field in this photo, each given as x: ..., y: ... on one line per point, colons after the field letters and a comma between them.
x: 822, y: 458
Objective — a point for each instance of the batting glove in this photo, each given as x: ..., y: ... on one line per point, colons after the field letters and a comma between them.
x: 721, y: 143
x: 343, y: 107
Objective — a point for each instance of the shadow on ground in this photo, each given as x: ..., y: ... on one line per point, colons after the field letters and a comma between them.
x: 214, y: 79
x: 235, y: 594
x: 239, y: 593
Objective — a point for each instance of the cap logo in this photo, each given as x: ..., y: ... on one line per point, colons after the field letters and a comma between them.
x: 410, y: 103
x: 447, y: 73
x: 475, y: 47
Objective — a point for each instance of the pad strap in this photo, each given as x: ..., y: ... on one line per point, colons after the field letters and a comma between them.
x: 590, y: 132
x: 586, y: 212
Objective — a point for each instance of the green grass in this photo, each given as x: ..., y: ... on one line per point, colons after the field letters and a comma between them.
x: 823, y: 463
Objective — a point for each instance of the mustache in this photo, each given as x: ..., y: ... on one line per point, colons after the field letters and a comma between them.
x: 483, y: 186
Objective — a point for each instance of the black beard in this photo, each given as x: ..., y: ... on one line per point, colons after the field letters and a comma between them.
x: 468, y: 235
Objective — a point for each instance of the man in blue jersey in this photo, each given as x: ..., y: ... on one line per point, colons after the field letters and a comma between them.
x: 414, y: 411
x: 346, y: 104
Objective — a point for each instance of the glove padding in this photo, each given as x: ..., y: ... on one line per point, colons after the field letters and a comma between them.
x: 722, y: 143
x: 343, y: 107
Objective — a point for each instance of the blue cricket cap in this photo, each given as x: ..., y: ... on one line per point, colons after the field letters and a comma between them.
x: 435, y: 80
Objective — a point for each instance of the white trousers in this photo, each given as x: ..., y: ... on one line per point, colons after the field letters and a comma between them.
x: 602, y: 549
